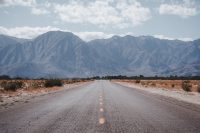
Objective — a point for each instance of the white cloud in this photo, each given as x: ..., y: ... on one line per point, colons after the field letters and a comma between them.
x: 88, y: 36
x: 163, y: 37
x: 47, y: 4
x: 107, y: 13
x: 94, y: 13
x: 17, y: 2
x: 186, y: 39
x: 171, y: 38
x: 176, y: 9
x: 32, y: 32
x: 38, y: 11
x: 134, y: 13
x: 110, y: 13
x: 26, y: 32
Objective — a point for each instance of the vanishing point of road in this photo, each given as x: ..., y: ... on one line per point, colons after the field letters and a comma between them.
x: 101, y: 107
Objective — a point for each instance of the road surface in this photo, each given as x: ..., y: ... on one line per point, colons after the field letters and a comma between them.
x: 101, y: 107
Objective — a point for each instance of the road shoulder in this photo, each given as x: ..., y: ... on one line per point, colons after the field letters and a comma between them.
x: 189, y: 97
x: 10, y: 99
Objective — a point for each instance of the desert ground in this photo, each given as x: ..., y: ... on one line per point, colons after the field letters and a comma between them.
x: 167, y: 84
x: 32, y: 88
x: 168, y: 88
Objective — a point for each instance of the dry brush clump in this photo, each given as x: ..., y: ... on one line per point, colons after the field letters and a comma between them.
x: 137, y: 81
x: 198, y: 88
x: 11, y: 85
x: 143, y: 83
x: 169, y: 84
x: 36, y: 84
x: 173, y: 85
x: 53, y: 82
x: 14, y: 85
x: 153, y: 84
x: 186, y: 86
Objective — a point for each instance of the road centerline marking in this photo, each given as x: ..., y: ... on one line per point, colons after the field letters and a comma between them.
x: 101, y: 110
x: 102, y: 120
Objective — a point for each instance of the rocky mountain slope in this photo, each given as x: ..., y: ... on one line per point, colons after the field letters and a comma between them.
x: 63, y: 54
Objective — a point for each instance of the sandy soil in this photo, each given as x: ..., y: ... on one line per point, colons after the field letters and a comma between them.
x: 8, y: 98
x: 168, y: 84
x: 177, y: 93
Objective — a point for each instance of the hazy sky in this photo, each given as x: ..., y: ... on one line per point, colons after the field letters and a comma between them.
x: 90, y: 19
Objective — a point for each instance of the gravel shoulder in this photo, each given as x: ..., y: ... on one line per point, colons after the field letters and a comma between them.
x: 190, y: 97
x: 8, y: 99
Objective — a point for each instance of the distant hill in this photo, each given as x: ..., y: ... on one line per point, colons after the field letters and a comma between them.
x: 63, y: 54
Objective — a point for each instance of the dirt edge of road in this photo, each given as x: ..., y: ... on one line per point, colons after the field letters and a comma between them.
x: 189, y: 97
x: 10, y: 98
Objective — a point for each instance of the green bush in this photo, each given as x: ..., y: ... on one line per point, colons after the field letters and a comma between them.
x: 53, y: 82
x: 186, y: 85
x: 12, y: 86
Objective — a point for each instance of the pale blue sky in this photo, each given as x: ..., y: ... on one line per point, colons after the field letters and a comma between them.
x: 171, y: 19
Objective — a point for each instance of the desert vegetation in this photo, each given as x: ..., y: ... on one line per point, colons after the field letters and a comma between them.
x: 137, y: 81
x: 53, y: 82
x: 198, y: 88
x: 26, y: 84
x: 186, y: 85
x: 12, y: 85
x: 12, y: 90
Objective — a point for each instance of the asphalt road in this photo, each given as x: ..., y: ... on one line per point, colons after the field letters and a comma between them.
x: 103, y: 107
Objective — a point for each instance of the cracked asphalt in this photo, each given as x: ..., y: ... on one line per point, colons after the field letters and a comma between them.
x: 101, y: 107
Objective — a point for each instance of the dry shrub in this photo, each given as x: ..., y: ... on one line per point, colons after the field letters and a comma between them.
x: 3, y: 84
x: 186, y: 85
x: 12, y: 86
x: 143, y: 83
x: 153, y: 84
x: 53, y: 82
x: 36, y: 85
x: 198, y: 88
x: 137, y: 81
x: 173, y: 85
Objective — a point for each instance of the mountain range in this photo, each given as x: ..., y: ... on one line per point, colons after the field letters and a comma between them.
x: 58, y: 54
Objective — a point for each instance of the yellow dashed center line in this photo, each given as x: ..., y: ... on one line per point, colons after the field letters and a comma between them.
x: 102, y: 120
x: 101, y: 110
